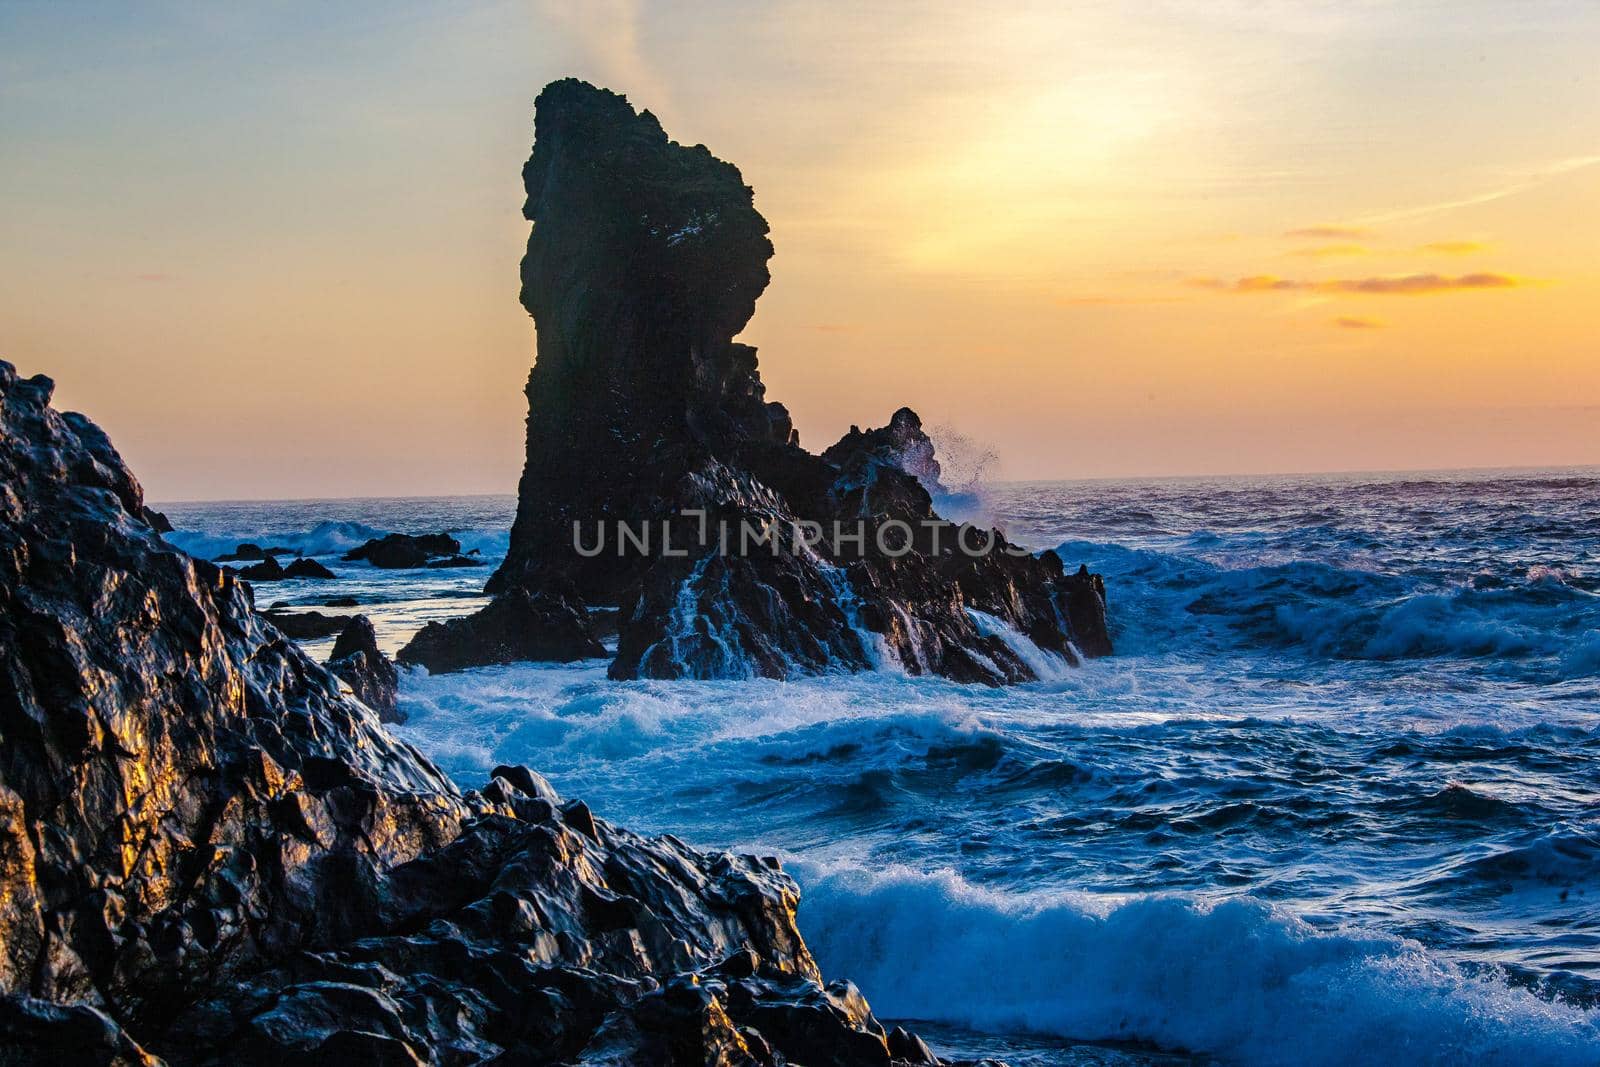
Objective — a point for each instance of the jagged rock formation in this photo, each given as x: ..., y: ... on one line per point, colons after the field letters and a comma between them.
x: 645, y: 260
x: 208, y: 855
x: 359, y: 663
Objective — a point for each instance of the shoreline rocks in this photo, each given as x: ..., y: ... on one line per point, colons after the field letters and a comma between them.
x: 211, y: 856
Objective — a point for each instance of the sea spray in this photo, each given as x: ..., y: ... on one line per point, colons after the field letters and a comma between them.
x: 1237, y: 979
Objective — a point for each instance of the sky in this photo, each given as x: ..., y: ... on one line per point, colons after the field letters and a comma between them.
x: 274, y: 251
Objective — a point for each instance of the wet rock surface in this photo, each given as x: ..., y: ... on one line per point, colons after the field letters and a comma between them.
x: 645, y: 260
x: 209, y: 855
x: 515, y: 626
x: 372, y: 677
x: 305, y: 625
x: 398, y: 551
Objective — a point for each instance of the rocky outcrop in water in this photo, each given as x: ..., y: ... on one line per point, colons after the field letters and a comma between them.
x: 357, y: 661
x: 268, y: 570
x: 208, y: 855
x: 305, y: 625
x: 645, y: 260
x: 398, y: 551
x: 305, y: 567
x: 515, y: 626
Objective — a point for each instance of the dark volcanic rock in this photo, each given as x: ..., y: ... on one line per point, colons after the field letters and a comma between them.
x: 645, y: 260
x: 305, y: 625
x: 157, y: 521
x: 371, y: 676
x: 251, y: 550
x: 398, y: 551
x: 209, y: 855
x: 516, y: 626
x: 306, y: 567
x: 902, y: 445
x: 268, y: 570
x: 453, y: 561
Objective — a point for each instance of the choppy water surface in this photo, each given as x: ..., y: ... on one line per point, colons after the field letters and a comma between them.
x: 1334, y: 801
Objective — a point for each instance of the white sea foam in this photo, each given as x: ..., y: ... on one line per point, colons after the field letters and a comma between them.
x: 1390, y: 730
x: 1046, y: 666
x: 1236, y: 979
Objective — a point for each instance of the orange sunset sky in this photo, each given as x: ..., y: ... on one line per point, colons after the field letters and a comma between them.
x: 274, y: 252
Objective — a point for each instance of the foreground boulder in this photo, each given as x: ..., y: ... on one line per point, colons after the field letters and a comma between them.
x: 372, y: 677
x: 208, y: 855
x: 645, y: 260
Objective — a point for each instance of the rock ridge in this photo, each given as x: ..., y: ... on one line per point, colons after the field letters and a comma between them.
x: 209, y: 855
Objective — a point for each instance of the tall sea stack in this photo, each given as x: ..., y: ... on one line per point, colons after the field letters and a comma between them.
x: 645, y: 261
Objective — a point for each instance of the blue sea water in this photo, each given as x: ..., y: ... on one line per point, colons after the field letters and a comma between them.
x: 1335, y: 800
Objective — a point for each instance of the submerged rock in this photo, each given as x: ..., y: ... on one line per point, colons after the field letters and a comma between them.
x: 372, y: 677
x: 645, y: 260
x: 452, y: 562
x: 516, y: 626
x: 209, y: 855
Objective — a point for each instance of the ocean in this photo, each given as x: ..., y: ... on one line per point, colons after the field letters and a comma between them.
x: 1335, y: 800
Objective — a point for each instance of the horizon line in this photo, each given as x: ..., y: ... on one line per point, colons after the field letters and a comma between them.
x: 1231, y: 475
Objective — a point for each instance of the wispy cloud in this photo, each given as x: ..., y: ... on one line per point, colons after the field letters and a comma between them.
x: 1351, y: 322
x: 1331, y: 251
x: 1109, y: 301
x: 1454, y: 248
x: 1330, y: 233
x: 1530, y: 180
x: 1381, y: 285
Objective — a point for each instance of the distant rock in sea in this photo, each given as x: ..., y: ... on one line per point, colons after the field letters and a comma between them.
x: 645, y: 260
x: 209, y: 855
x: 305, y: 567
x: 268, y: 570
x: 398, y: 551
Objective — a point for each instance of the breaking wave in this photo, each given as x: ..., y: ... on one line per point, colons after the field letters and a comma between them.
x: 1236, y: 979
